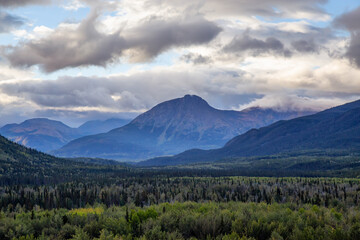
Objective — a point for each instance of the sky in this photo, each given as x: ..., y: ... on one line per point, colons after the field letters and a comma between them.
x: 76, y: 60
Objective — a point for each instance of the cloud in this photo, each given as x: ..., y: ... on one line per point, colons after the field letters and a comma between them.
x: 157, y: 35
x: 19, y: 3
x: 84, y: 45
x: 284, y: 103
x: 196, y: 58
x: 73, y: 5
x: 304, y: 46
x: 244, y: 43
x: 351, y: 22
x: 138, y: 91
x: 69, y: 47
x: 267, y: 8
x: 9, y: 22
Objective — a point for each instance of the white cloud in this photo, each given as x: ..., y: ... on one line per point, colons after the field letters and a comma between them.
x: 294, y: 103
x: 73, y: 5
x: 36, y: 33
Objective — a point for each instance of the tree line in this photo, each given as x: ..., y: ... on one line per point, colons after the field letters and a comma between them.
x: 145, y: 191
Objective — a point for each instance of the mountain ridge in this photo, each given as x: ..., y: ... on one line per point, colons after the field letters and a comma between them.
x: 171, y: 127
x: 46, y: 134
x: 334, y: 128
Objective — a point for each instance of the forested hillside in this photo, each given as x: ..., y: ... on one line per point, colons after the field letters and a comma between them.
x: 19, y: 165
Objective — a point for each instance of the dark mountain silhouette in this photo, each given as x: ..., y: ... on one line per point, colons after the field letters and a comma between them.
x: 335, y: 128
x: 171, y: 127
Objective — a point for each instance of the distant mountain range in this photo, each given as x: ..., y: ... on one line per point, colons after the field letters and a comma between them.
x: 335, y: 128
x: 99, y: 126
x: 171, y: 127
x: 45, y: 135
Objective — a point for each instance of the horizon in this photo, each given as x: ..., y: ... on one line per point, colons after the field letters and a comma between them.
x: 80, y: 60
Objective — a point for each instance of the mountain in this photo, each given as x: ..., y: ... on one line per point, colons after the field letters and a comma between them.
x: 40, y: 133
x: 98, y: 126
x: 171, y: 127
x: 46, y: 135
x: 333, y: 129
x: 22, y: 165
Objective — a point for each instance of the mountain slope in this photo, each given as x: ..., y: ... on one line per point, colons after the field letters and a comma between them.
x: 40, y: 133
x: 335, y: 128
x: 22, y: 165
x: 171, y: 127
x: 46, y: 135
x: 98, y: 126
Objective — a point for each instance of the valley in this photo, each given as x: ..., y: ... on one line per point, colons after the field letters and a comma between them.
x: 179, y: 120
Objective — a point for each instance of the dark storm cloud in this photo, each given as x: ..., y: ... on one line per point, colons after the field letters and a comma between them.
x: 256, y: 46
x: 85, y: 46
x: 351, y: 22
x: 19, y: 3
x: 9, y: 22
x: 305, y: 46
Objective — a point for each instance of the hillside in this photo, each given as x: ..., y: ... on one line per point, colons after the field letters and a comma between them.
x: 22, y: 165
x: 335, y: 128
x: 171, y: 127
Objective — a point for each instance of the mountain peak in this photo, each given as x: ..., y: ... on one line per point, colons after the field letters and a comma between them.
x: 188, y: 101
x: 36, y: 122
x: 43, y: 120
x: 192, y: 97
x: 175, y: 110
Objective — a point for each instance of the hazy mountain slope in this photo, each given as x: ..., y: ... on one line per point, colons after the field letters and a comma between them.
x: 45, y: 135
x: 40, y: 133
x: 98, y: 126
x: 335, y: 128
x: 171, y: 127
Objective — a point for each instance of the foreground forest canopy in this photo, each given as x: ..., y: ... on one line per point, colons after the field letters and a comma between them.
x: 227, y: 221
x: 184, y: 208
